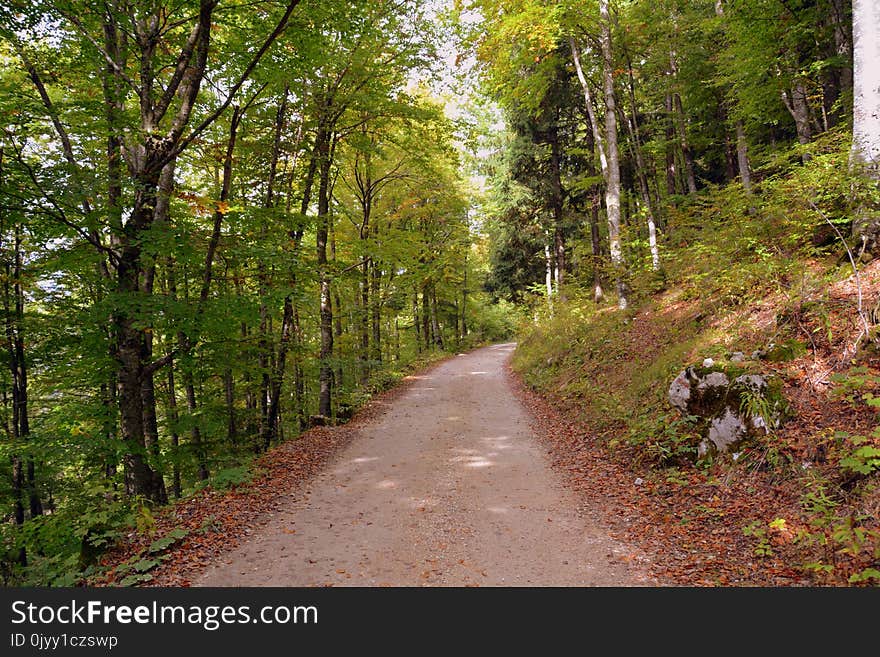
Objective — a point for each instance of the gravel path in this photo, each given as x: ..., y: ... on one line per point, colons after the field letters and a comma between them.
x: 447, y: 486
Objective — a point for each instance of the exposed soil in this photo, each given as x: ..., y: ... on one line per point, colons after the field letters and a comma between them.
x: 445, y: 484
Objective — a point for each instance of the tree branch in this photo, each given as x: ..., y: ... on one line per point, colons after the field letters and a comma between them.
x: 114, y: 65
x: 279, y: 28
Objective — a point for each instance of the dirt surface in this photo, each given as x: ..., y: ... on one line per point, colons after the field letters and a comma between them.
x: 445, y: 486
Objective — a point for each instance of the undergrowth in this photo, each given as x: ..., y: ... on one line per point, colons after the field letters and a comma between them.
x: 744, y: 273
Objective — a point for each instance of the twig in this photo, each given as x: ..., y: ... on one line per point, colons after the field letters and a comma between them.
x: 861, y: 311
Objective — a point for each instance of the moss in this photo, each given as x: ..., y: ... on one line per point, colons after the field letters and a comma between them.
x: 776, y: 398
x: 785, y: 351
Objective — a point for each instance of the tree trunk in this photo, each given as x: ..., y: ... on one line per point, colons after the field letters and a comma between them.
x: 742, y: 157
x: 435, y: 321
x: 173, y: 419
x: 681, y: 128
x: 376, y: 310
x: 742, y: 152
x: 325, y: 376
x: 299, y: 383
x: 338, y: 379
x: 671, y: 171
x: 464, y: 301
x: 161, y: 216
x: 796, y: 102
x: 557, y: 209
x: 641, y: 169
x: 196, y: 431
x: 840, y: 81
x: 229, y: 393
x: 598, y: 144
x: 184, y: 343
x: 13, y: 306
x: 865, y: 153
x: 140, y: 478
x: 612, y: 186
x: 416, y: 322
x: 548, y: 277
x: 426, y: 318
x: 364, y: 322
x: 277, y: 378
x: 596, y: 244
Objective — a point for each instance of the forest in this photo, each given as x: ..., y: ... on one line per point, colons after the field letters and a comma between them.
x: 225, y: 224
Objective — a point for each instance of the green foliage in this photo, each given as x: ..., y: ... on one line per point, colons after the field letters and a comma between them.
x: 756, y: 404
x: 162, y: 544
x: 863, y: 460
x: 845, y: 541
x: 136, y: 569
x: 666, y: 440
x: 856, y: 385
x: 403, y: 247
x: 757, y: 531
x: 231, y: 477
x: 496, y: 322
x: 865, y: 575
x: 786, y: 351
x: 859, y: 455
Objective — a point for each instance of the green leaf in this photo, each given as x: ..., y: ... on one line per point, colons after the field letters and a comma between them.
x: 167, y: 541
x: 135, y: 579
x: 144, y: 565
x: 865, y: 575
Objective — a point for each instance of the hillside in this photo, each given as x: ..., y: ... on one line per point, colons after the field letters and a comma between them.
x: 798, y: 506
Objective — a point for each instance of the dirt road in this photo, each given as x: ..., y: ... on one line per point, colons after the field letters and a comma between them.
x: 446, y: 487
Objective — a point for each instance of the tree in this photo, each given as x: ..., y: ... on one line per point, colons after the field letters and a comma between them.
x: 865, y: 154
x: 612, y: 183
x: 166, y: 90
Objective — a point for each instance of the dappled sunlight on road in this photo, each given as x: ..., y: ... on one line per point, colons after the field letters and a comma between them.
x: 447, y: 488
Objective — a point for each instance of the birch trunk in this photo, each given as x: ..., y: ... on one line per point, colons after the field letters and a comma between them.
x: 612, y: 179
x: 865, y: 153
x: 866, y: 87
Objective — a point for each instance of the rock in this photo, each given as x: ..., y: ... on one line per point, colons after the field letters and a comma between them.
x: 639, y: 481
x: 724, y: 404
x: 724, y: 431
x: 737, y: 357
x: 680, y: 392
x: 708, y: 362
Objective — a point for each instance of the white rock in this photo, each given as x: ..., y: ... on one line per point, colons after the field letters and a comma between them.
x: 680, y: 392
x: 726, y: 430
x: 639, y: 481
x: 708, y: 362
x: 714, y: 380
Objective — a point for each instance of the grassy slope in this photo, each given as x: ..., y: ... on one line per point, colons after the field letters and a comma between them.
x: 791, y: 509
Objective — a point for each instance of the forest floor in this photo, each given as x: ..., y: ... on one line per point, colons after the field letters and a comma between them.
x: 443, y: 482
x: 797, y: 507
